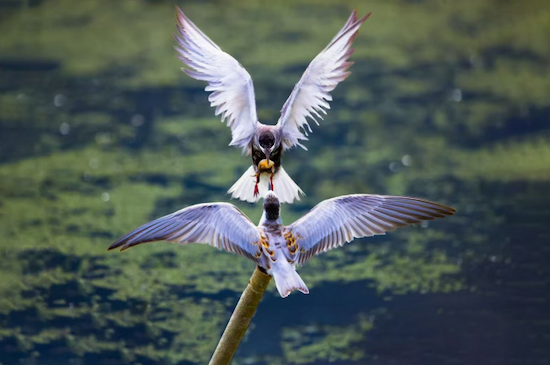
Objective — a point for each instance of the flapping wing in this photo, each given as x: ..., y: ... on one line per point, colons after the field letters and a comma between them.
x: 233, y: 91
x: 220, y: 225
x: 311, y: 94
x: 336, y: 221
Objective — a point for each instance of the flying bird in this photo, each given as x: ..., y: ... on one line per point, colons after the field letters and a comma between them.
x: 277, y: 248
x: 233, y: 96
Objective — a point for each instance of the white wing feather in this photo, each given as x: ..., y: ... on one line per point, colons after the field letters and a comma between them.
x: 233, y: 91
x: 336, y: 221
x: 221, y: 225
x: 311, y: 94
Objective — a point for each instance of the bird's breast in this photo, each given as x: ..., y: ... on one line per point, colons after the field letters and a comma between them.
x: 258, y: 156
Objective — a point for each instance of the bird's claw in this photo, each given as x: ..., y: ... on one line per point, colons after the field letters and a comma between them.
x: 264, y: 166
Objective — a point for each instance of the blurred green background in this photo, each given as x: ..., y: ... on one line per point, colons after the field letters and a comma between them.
x: 100, y: 132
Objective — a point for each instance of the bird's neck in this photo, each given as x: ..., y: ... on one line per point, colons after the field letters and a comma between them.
x: 264, y: 221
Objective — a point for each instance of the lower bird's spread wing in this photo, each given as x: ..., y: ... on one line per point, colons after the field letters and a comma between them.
x: 311, y: 94
x: 220, y: 225
x: 336, y: 221
x: 233, y: 91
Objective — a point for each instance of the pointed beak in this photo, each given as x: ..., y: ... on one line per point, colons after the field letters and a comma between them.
x: 267, y: 153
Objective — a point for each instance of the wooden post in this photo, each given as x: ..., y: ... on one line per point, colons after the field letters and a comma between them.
x: 241, y: 317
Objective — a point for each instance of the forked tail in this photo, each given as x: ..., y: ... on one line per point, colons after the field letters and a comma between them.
x: 287, y: 279
x: 285, y: 188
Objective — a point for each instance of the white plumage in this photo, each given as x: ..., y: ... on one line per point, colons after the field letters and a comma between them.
x: 277, y: 248
x: 233, y: 96
x: 243, y: 188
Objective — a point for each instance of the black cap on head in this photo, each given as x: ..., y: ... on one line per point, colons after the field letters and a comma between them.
x: 266, y: 139
x: 271, y: 206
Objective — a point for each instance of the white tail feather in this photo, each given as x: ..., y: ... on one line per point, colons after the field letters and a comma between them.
x: 285, y: 188
x: 287, y: 279
x: 243, y: 188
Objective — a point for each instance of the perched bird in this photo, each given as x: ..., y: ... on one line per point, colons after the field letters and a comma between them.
x: 278, y: 248
x: 233, y: 97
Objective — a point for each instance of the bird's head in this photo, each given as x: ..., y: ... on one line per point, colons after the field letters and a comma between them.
x: 272, y: 206
x: 266, y: 140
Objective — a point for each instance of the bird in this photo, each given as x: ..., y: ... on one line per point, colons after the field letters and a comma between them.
x: 276, y: 248
x: 233, y: 97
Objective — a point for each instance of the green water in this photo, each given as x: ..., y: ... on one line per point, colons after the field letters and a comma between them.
x: 100, y: 132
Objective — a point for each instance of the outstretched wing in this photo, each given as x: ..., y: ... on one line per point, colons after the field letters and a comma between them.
x: 336, y: 221
x: 233, y: 91
x: 311, y: 94
x: 221, y: 225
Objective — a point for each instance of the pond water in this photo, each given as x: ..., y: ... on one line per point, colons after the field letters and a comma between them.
x: 101, y: 132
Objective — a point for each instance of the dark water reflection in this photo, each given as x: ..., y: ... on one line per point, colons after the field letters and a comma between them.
x: 500, y: 317
x: 100, y: 132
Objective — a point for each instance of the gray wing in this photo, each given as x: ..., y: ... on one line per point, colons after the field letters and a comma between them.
x: 336, y: 221
x: 311, y: 94
x: 221, y: 225
x: 233, y: 91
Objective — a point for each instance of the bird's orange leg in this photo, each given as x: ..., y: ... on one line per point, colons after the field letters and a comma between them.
x: 264, y: 166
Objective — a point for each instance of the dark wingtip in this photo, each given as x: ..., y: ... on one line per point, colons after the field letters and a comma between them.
x: 123, y: 244
x: 354, y: 14
x: 444, y: 209
x: 363, y: 19
x: 115, y: 245
x: 179, y: 14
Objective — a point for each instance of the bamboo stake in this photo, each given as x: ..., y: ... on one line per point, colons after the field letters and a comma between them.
x: 241, y: 317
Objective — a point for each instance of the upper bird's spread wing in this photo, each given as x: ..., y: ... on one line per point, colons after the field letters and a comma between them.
x: 336, y: 221
x: 311, y: 94
x: 233, y: 91
x: 221, y: 225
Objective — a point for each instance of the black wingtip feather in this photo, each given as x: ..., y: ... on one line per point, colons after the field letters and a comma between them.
x: 363, y: 19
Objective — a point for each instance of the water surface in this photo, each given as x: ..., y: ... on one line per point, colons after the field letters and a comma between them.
x: 100, y: 132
